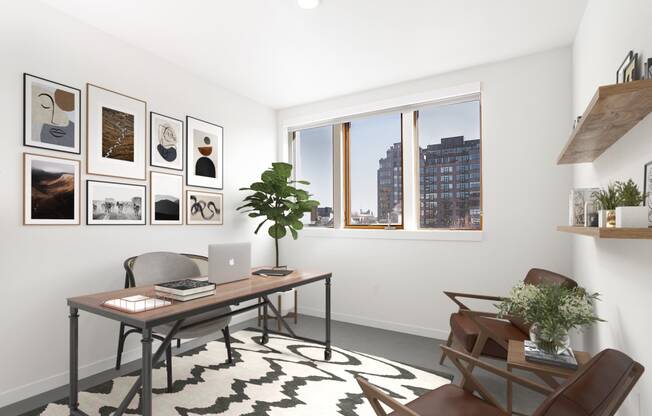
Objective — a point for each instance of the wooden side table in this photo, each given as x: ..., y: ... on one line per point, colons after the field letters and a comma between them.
x: 547, y: 373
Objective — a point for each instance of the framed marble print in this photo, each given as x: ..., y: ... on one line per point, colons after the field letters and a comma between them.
x: 204, y: 155
x: 204, y: 208
x: 51, y: 115
x: 116, y: 126
x: 165, y: 141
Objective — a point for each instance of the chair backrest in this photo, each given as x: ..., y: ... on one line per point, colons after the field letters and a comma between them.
x: 151, y: 268
x: 597, y: 389
x: 541, y: 276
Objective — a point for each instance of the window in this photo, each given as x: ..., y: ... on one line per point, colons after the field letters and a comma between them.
x: 449, y: 141
x: 374, y: 171
x: 313, y: 154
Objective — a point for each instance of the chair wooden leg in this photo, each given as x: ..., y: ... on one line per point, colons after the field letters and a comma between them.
x: 121, y: 344
x: 449, y: 342
x: 168, y: 366
x: 227, y: 343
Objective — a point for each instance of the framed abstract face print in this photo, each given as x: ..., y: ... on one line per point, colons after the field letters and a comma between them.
x: 166, y: 199
x: 204, y: 208
x: 51, y: 114
x: 165, y: 142
x: 204, y: 144
x: 116, y: 126
x: 112, y: 203
x: 51, y: 190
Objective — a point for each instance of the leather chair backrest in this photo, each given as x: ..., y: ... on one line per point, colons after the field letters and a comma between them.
x: 541, y: 276
x: 158, y: 267
x: 597, y: 389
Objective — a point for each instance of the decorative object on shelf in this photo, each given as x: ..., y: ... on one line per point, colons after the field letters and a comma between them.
x: 631, y: 212
x: 647, y: 190
x: 166, y: 195
x: 552, y: 311
x: 607, y: 201
x: 590, y: 214
x: 648, y: 69
x: 112, y: 203
x: 51, y: 190
x: 578, y: 199
x: 204, y: 154
x: 276, y: 199
x: 51, y: 115
x: 116, y: 128
x: 165, y: 141
x: 576, y: 121
x: 627, y: 71
x: 204, y: 208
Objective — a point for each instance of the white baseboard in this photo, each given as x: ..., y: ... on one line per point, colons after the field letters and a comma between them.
x: 375, y: 323
x: 43, y: 385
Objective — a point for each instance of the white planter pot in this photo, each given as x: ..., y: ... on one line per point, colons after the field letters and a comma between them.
x: 631, y: 217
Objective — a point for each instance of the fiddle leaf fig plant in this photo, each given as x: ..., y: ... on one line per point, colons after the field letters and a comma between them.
x: 276, y: 199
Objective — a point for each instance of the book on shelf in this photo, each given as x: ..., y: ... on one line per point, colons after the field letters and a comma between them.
x: 185, y: 287
x: 535, y: 355
x: 136, y: 303
x: 183, y: 298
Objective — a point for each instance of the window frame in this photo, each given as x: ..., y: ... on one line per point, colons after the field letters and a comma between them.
x: 346, y: 137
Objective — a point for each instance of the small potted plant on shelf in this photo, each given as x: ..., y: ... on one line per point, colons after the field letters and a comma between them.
x: 607, y: 201
x: 552, y: 311
x: 630, y: 211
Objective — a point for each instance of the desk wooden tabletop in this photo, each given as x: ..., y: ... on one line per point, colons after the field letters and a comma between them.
x: 225, y: 294
x: 516, y: 359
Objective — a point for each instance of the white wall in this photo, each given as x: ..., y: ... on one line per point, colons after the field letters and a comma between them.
x: 619, y: 269
x: 398, y: 284
x: 40, y: 266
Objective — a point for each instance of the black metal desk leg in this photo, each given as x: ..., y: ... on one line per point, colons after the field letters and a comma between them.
x: 265, y: 333
x: 327, y: 351
x: 147, y: 372
x: 74, y: 359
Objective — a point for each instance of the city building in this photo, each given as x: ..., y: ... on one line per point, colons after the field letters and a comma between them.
x: 390, y: 186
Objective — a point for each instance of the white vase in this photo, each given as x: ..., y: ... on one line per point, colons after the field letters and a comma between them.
x: 631, y: 217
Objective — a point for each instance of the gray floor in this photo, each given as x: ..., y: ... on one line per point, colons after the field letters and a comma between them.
x: 410, y: 349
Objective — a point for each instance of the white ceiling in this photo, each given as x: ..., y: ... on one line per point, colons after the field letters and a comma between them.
x: 280, y: 55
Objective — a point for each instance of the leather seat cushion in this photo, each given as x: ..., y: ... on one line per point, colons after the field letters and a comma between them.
x: 190, y: 330
x: 451, y: 400
x: 466, y: 332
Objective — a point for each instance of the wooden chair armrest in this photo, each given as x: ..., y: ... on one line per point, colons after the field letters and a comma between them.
x: 455, y: 295
x: 457, y: 356
x: 375, y: 395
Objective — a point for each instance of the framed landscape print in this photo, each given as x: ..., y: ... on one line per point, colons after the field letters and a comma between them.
x: 51, y: 115
x: 165, y: 141
x: 112, y: 203
x: 204, y: 208
x: 116, y: 127
x: 647, y: 191
x: 204, y: 144
x: 166, y: 198
x: 51, y: 190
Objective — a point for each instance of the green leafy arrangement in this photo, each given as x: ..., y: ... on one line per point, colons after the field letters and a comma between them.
x: 277, y: 200
x: 608, y: 199
x: 630, y: 195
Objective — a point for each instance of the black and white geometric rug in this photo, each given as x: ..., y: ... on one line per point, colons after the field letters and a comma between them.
x: 285, y: 377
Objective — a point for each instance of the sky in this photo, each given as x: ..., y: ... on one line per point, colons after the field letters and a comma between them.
x: 370, y: 137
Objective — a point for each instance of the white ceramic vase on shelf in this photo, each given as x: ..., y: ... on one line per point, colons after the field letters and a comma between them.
x: 632, y: 217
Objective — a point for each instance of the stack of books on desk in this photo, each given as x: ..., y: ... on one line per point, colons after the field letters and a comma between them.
x: 535, y: 355
x: 186, y: 289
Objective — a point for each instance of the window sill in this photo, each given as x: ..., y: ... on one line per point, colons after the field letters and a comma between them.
x: 432, y: 235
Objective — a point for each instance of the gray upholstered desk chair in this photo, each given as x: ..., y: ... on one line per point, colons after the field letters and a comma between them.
x: 152, y: 268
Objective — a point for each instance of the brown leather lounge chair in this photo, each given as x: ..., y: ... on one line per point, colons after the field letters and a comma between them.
x: 597, y: 389
x: 480, y: 333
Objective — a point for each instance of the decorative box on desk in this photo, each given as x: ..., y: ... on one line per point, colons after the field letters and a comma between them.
x: 286, y: 303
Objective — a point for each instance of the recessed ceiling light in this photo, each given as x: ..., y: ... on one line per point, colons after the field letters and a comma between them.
x: 308, y: 4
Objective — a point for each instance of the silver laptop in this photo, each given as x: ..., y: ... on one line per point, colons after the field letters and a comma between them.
x: 229, y: 262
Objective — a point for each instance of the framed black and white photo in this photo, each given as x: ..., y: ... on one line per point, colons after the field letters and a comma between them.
x: 204, y: 208
x: 204, y: 145
x: 166, y: 199
x: 50, y: 190
x: 112, y: 203
x: 165, y: 141
x: 51, y: 115
x: 116, y: 134
x: 647, y: 190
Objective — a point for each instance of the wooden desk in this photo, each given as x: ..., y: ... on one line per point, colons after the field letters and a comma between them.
x: 229, y: 294
x: 516, y: 359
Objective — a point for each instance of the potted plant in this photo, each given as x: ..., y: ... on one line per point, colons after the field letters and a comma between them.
x: 607, y: 201
x: 630, y: 211
x: 276, y: 199
x: 552, y: 311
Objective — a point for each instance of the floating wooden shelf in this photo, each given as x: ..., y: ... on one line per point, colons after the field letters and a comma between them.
x: 613, y: 111
x: 623, y: 233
